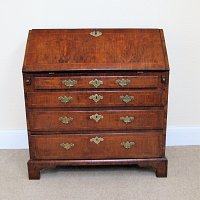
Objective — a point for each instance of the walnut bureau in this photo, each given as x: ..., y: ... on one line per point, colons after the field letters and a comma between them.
x: 96, y: 97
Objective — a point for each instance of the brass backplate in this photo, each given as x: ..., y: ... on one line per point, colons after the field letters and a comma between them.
x: 122, y: 82
x: 65, y: 119
x: 65, y: 99
x: 69, y: 83
x: 67, y: 146
x: 127, y: 119
x: 127, y: 144
x: 126, y: 98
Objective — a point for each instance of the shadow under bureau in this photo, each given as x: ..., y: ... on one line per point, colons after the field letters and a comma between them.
x: 96, y: 97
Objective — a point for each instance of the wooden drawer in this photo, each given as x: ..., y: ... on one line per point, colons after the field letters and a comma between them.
x: 95, y: 98
x: 97, y: 82
x: 95, y: 120
x: 97, y: 146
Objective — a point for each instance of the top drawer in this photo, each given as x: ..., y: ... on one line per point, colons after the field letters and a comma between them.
x: 74, y: 82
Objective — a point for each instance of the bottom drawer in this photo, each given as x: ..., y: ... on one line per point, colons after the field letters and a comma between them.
x: 97, y: 146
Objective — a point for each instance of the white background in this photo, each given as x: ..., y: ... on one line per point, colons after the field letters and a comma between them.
x: 180, y: 20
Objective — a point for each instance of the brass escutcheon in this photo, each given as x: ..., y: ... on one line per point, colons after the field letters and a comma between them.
x: 69, y: 83
x: 96, y: 117
x: 67, y: 146
x: 96, y: 83
x: 65, y: 99
x: 127, y: 144
x: 96, y: 97
x: 126, y: 98
x: 127, y: 119
x: 95, y: 33
x: 122, y: 82
x: 65, y: 119
x: 96, y: 140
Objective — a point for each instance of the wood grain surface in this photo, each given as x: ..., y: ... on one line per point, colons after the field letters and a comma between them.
x: 107, y: 82
x: 97, y: 98
x: 49, y: 120
x: 76, y: 49
x: 145, y: 146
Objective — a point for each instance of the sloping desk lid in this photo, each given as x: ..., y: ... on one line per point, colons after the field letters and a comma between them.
x: 102, y: 49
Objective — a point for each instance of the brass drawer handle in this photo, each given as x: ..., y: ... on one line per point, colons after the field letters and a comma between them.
x: 127, y: 144
x: 96, y: 83
x: 127, y: 119
x: 97, y: 140
x: 65, y: 119
x: 122, y: 82
x: 69, y: 83
x: 67, y: 146
x: 65, y: 99
x: 96, y: 117
x: 126, y: 98
x: 96, y: 97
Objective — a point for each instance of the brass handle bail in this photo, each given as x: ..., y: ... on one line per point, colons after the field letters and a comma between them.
x: 127, y: 119
x: 127, y: 98
x: 66, y: 120
x: 69, y: 83
x: 65, y: 99
x: 122, y: 82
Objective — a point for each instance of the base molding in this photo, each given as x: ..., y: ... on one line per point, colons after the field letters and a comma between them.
x: 158, y: 164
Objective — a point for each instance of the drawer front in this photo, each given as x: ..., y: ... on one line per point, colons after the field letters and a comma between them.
x: 95, y: 120
x: 97, y: 82
x: 100, y: 146
x: 95, y: 98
